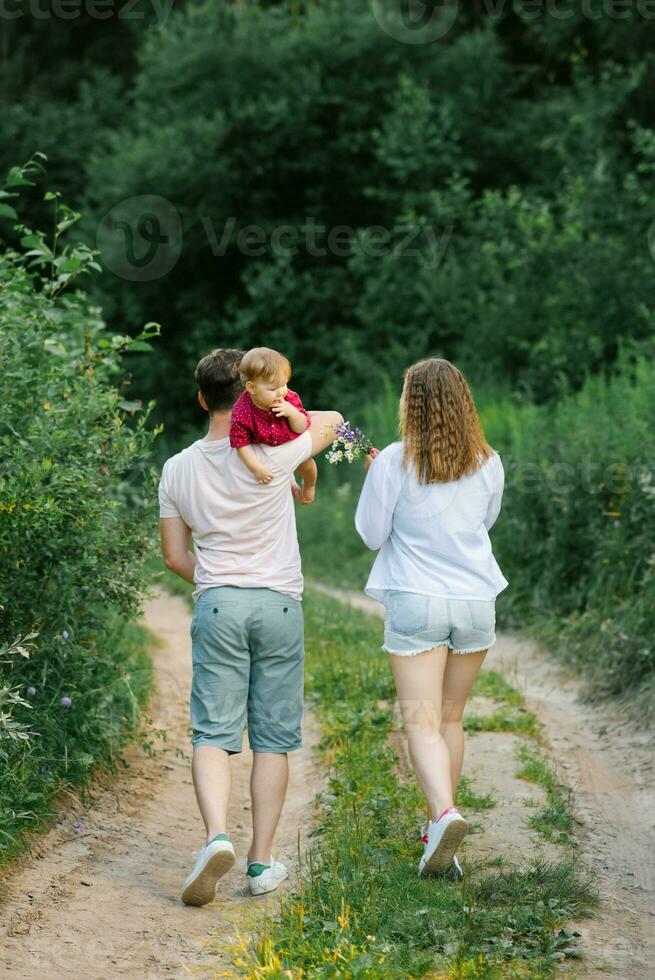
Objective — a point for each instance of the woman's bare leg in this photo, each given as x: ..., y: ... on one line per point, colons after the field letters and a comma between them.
x: 459, y: 675
x: 418, y: 684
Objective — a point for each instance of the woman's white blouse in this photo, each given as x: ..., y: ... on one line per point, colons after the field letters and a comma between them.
x: 433, y: 538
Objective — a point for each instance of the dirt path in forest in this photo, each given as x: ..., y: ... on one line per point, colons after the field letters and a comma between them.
x: 608, y: 764
x: 103, y: 902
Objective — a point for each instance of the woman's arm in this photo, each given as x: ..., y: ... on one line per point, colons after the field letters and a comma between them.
x: 377, y: 502
x: 493, y: 507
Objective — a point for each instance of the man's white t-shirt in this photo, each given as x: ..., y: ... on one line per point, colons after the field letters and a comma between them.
x: 244, y: 532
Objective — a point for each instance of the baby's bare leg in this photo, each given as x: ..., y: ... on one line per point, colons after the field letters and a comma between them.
x: 259, y: 471
x: 308, y: 473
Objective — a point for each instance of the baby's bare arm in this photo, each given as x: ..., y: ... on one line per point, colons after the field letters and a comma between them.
x: 296, y: 419
x: 257, y: 468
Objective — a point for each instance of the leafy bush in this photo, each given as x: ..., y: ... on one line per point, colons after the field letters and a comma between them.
x: 575, y: 535
x: 526, y: 176
x: 75, y: 511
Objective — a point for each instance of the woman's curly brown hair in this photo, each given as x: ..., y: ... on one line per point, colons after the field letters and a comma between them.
x: 442, y: 435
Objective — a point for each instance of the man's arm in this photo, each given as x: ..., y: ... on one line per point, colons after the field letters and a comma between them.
x: 322, y: 430
x: 175, y: 536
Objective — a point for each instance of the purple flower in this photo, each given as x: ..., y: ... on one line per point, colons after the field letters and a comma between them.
x: 79, y: 825
x: 31, y: 691
x: 66, y: 702
x: 65, y: 634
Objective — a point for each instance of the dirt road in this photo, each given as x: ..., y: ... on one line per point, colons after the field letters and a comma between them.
x: 609, y: 765
x: 102, y: 901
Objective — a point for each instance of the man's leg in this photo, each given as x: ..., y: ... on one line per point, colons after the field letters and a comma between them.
x: 212, y: 780
x: 268, y: 787
x: 275, y: 708
x: 219, y: 692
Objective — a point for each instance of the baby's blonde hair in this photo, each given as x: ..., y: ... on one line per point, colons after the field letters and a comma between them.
x: 265, y: 363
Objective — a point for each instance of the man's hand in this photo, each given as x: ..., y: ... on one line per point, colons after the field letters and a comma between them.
x: 175, y: 539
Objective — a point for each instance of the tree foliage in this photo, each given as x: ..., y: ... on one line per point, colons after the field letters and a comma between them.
x: 76, y: 499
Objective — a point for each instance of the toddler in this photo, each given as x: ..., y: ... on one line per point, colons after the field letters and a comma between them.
x: 267, y: 411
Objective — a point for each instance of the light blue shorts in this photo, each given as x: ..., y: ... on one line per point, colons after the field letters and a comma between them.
x: 415, y: 623
x: 248, y: 657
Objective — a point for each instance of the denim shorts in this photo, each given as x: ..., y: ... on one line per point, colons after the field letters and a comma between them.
x: 248, y: 658
x: 414, y: 623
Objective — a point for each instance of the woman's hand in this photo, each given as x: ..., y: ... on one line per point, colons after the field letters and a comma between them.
x: 368, y: 459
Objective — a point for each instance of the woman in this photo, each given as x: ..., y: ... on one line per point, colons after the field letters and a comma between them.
x: 428, y: 503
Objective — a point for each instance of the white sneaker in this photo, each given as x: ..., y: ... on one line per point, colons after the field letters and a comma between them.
x: 445, y: 834
x: 456, y: 868
x: 264, y: 878
x: 213, y: 861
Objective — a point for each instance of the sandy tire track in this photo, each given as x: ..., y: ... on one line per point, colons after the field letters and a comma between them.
x: 609, y: 764
x: 104, y: 903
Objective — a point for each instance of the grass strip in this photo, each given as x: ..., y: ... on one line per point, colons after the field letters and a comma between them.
x: 108, y: 691
x: 554, y: 820
x: 360, y: 909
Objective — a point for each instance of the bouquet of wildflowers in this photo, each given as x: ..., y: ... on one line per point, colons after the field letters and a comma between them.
x: 349, y: 444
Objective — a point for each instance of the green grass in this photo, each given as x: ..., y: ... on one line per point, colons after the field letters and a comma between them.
x: 492, y: 684
x: 554, y: 820
x: 73, y: 743
x: 506, y: 719
x: 361, y: 910
x: 510, y: 716
x: 469, y: 799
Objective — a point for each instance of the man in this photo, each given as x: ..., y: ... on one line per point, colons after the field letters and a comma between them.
x: 247, y: 626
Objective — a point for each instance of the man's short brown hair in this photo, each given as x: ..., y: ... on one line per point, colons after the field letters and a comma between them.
x: 218, y: 377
